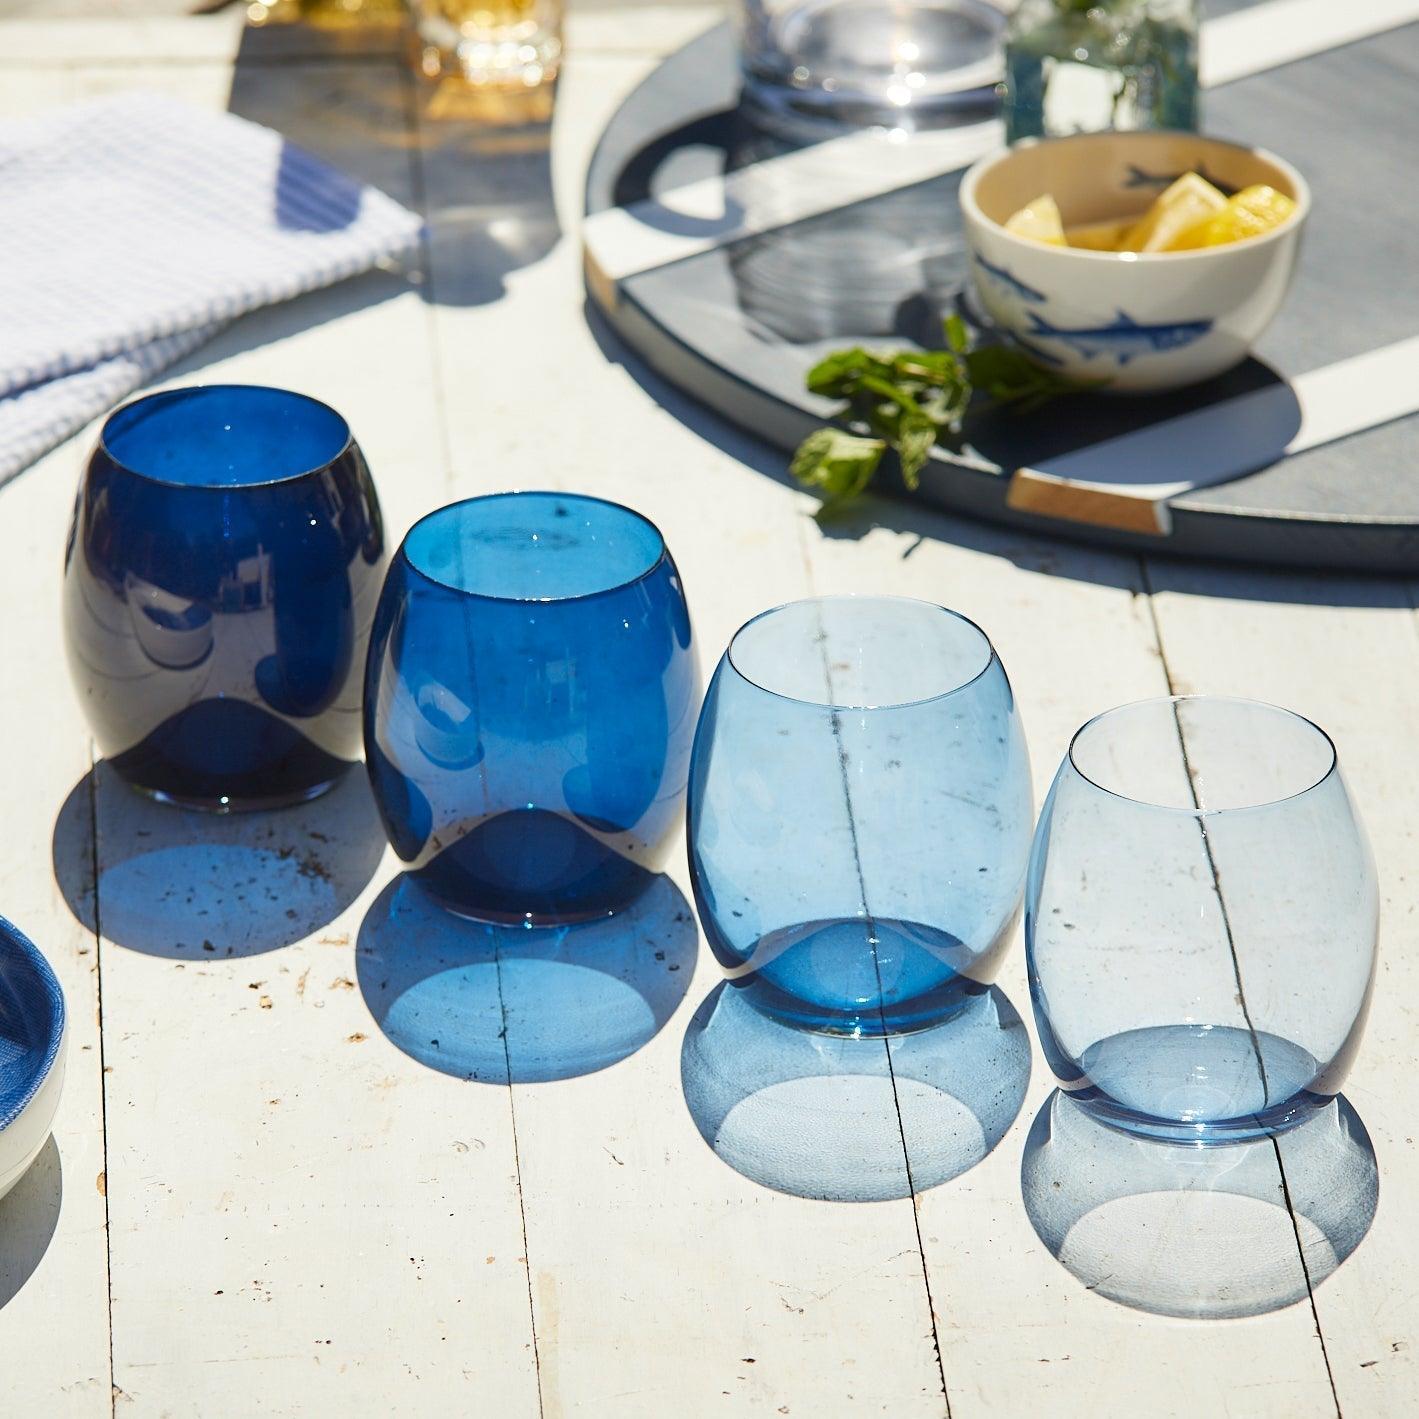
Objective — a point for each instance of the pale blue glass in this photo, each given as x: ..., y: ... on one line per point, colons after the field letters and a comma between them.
x: 1201, y: 919
x: 859, y: 813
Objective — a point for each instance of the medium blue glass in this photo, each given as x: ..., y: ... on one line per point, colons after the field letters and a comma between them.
x: 222, y: 570
x: 530, y: 699
x: 1201, y: 920
x: 859, y: 813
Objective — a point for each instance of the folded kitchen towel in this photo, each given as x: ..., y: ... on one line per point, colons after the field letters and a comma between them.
x: 133, y: 227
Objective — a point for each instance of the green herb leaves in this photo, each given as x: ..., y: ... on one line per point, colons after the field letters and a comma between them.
x: 840, y: 465
x: 908, y: 401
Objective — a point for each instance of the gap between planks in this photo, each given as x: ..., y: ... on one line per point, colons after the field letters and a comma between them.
x: 807, y: 555
x: 419, y: 190
x: 93, y: 804
x: 1146, y: 581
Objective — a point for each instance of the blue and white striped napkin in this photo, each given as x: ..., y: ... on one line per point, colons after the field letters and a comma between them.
x: 133, y: 227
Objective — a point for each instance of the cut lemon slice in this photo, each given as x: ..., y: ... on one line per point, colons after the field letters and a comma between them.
x: 1252, y: 212
x: 1039, y: 220
x: 1188, y: 202
x: 1097, y: 236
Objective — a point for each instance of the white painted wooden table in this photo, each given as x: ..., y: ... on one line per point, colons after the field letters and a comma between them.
x: 256, y: 1204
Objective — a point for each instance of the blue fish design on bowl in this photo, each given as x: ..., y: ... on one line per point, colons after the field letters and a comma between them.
x: 1007, y: 281
x: 1123, y: 339
x: 1125, y: 322
x: 1137, y: 177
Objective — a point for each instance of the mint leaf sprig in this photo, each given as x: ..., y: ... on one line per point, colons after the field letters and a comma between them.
x: 908, y: 401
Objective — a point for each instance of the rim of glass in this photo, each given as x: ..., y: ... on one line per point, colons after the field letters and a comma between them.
x: 165, y: 394
x: 1196, y: 812
x: 622, y: 585
x: 990, y: 659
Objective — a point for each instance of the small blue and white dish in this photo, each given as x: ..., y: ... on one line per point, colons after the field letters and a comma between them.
x: 1127, y: 321
x: 32, y: 1038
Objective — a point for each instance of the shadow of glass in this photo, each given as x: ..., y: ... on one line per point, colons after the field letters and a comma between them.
x: 1199, y: 1232
x: 515, y: 1005
x: 489, y: 206
x: 193, y: 885
x: 484, y: 179
x: 310, y: 196
x: 350, y: 110
x: 636, y: 184
x: 29, y: 1213
x: 824, y: 1117
x: 892, y: 266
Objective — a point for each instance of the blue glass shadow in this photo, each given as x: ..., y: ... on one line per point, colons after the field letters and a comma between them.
x: 530, y: 700
x: 311, y: 196
x: 222, y: 571
x: 517, y: 1004
x: 853, y: 1120
x: 196, y: 886
x: 1193, y: 1230
x: 29, y: 1214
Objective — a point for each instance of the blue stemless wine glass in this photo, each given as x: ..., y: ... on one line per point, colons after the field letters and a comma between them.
x: 223, y: 566
x: 529, y: 705
x: 1201, y: 919
x: 859, y: 813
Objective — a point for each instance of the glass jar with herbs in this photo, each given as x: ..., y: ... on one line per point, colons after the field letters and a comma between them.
x: 1077, y: 66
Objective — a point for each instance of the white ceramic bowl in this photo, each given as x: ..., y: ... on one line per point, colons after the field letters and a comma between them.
x: 32, y: 1038
x: 1133, y: 322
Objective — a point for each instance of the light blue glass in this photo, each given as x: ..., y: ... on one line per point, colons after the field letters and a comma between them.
x: 1201, y: 919
x: 859, y: 813
x: 530, y: 700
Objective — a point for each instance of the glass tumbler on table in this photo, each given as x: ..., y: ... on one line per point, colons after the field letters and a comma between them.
x: 221, y: 575
x: 1201, y: 920
x: 530, y: 700
x: 896, y: 63
x: 490, y: 44
x: 1080, y: 66
x: 859, y: 814
x: 327, y: 14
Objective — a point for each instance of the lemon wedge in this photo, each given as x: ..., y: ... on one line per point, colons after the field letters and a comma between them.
x: 1187, y: 203
x: 1252, y: 212
x: 1097, y: 236
x: 1039, y: 221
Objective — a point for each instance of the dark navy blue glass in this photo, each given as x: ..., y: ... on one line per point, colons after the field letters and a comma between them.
x: 859, y: 813
x: 529, y: 705
x: 222, y: 570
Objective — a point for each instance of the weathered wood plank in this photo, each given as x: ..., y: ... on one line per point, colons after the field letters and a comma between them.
x: 1342, y: 651
x: 304, y: 1220
x: 272, y: 1175
x: 663, y: 1281
x: 54, y: 1343
x: 1074, y: 631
